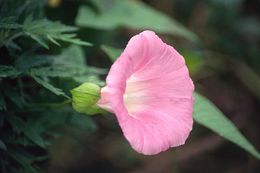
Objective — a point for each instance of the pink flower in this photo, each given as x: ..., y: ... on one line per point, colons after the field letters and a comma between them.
x: 149, y: 90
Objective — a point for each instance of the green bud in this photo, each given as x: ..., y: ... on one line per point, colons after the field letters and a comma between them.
x: 85, y: 97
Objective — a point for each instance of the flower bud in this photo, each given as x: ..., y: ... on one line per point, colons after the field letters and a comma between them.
x: 85, y: 97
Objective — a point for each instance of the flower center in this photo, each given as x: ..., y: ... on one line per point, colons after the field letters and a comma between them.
x: 134, y: 95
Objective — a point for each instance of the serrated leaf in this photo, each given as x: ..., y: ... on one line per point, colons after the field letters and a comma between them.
x: 42, y: 29
x: 71, y: 38
x: 206, y: 114
x: 132, y: 14
x: 41, y: 26
x: 53, y: 71
x: 53, y: 40
x: 20, y: 126
x: 57, y: 71
x: 48, y: 86
x: 8, y: 71
x: 79, y: 75
x: 71, y: 56
x: 9, y: 23
x: 69, y: 64
x: 26, y: 61
x: 24, y: 160
x: 34, y: 136
x: 20, y: 140
x: 38, y: 39
x: 13, y: 95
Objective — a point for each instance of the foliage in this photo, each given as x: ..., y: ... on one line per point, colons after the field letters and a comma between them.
x: 206, y: 114
x: 30, y: 115
x: 43, y: 59
x: 43, y: 29
x: 132, y: 14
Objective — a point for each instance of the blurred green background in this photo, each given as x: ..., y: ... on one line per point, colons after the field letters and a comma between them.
x: 40, y: 61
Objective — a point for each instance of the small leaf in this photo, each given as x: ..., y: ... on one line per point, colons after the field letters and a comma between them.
x: 69, y: 64
x: 8, y: 71
x: 206, y: 114
x: 26, y: 61
x: 42, y: 29
x: 48, y: 86
x: 23, y: 159
x: 58, y: 71
x: 20, y: 126
x: 13, y: 94
x: 53, y: 40
x: 9, y: 23
x: 71, y: 56
x: 40, y: 40
x: 71, y: 38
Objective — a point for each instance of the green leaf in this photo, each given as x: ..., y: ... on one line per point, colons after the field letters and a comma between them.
x: 8, y: 71
x: 132, y: 14
x: 113, y: 53
x: 69, y: 64
x: 57, y: 71
x: 206, y: 114
x: 24, y: 159
x: 34, y: 136
x: 9, y: 23
x: 71, y: 56
x: 20, y: 126
x: 26, y: 61
x: 62, y: 72
x: 42, y: 29
x: 14, y: 95
x: 19, y: 140
x: 48, y: 86
x: 38, y: 39
x: 71, y: 38
x: 79, y: 75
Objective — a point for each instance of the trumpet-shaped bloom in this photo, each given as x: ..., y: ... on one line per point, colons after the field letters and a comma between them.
x: 149, y: 90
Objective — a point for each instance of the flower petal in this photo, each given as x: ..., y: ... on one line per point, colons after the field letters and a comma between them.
x: 150, y: 91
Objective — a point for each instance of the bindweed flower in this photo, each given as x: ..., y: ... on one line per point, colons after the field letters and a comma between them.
x: 149, y: 90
